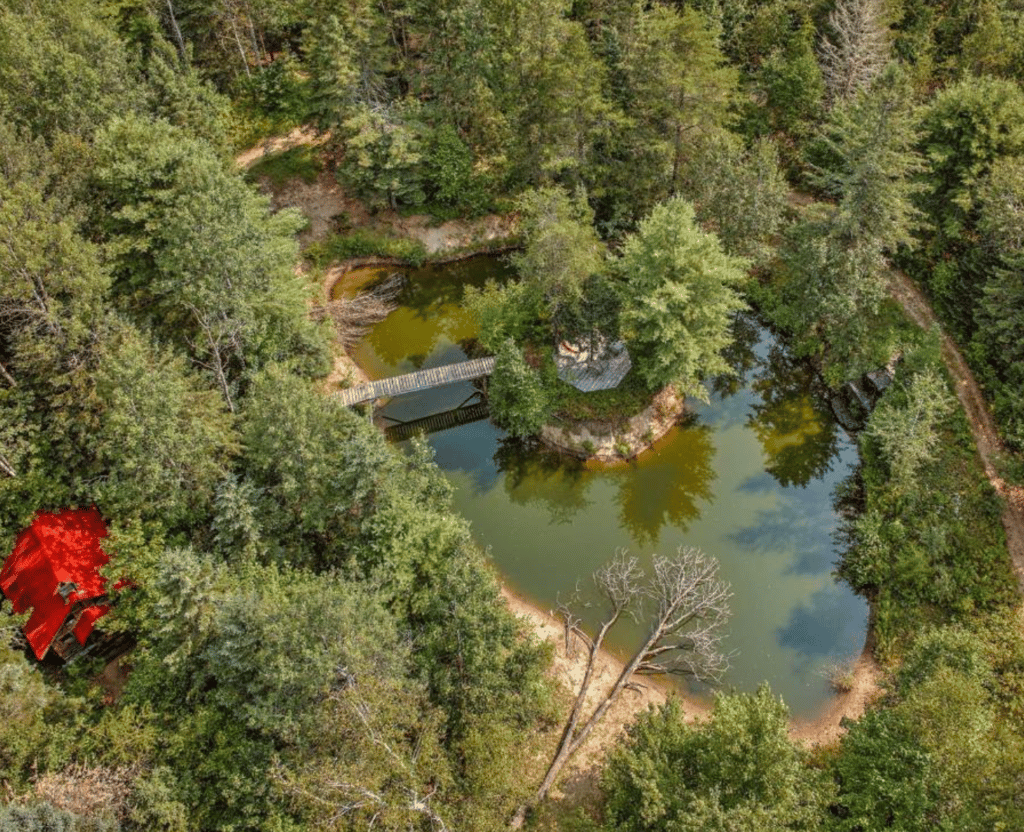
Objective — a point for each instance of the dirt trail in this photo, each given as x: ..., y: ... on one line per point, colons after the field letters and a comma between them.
x: 323, y: 202
x: 277, y: 144
x: 983, y: 428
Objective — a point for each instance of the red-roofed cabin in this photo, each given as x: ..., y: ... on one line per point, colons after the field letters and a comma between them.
x: 55, y: 570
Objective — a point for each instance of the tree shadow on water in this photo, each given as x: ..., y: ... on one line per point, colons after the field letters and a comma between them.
x: 740, y: 355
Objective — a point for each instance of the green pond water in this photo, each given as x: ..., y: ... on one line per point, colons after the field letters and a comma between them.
x: 748, y: 479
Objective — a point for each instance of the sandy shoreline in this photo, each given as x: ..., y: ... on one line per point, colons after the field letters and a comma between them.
x: 824, y: 728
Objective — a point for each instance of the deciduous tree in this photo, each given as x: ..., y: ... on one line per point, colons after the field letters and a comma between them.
x: 519, y: 402
x: 737, y: 770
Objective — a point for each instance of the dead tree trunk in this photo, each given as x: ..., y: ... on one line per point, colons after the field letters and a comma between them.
x: 7, y: 376
x: 177, y: 32
x: 684, y: 638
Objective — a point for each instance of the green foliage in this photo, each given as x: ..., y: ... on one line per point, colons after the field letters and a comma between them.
x: 615, y: 405
x: 677, y: 83
x: 164, y: 438
x: 347, y: 58
x: 518, y: 399
x: 869, y: 163
x: 333, y: 72
x: 241, y: 661
x: 907, y: 431
x: 53, y: 295
x: 966, y: 128
x: 450, y: 178
x: 560, y: 252
x: 925, y: 546
x: 30, y: 715
x: 789, y: 87
x: 940, y: 751
x: 505, y: 311
x: 278, y: 91
x: 739, y: 770
x: 472, y: 653
x: 739, y: 195
x: 383, y: 161
x: 62, y: 69
x: 175, y: 223
x: 885, y: 776
x: 680, y: 298
x: 45, y: 817
x: 1000, y: 314
x: 339, y: 247
x: 177, y: 94
x: 834, y: 270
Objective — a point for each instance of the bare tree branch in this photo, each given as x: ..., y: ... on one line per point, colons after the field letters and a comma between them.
x: 7, y: 376
x: 353, y: 317
x: 684, y: 638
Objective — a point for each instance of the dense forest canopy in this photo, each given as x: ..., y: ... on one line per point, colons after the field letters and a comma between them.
x: 320, y: 643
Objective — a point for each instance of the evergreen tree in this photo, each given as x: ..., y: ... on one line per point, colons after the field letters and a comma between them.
x: 561, y: 250
x: 680, y: 296
x: 199, y: 257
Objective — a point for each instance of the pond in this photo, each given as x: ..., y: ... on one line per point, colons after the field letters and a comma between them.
x: 748, y: 479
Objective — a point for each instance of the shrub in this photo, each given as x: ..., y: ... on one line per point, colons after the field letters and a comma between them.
x: 365, y: 244
x: 519, y: 402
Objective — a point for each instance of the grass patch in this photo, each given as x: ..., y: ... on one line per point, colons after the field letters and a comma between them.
x: 613, y: 406
x: 350, y: 244
x: 302, y: 162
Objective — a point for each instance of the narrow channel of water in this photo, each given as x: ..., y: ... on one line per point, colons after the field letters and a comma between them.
x: 748, y: 479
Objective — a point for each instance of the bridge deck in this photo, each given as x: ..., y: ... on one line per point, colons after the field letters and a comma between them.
x: 414, y: 382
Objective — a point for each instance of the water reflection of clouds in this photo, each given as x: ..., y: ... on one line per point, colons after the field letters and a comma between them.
x: 830, y: 623
x: 796, y: 529
x: 763, y: 483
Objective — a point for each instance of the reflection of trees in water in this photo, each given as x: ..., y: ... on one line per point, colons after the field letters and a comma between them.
x: 746, y: 332
x: 535, y: 476
x: 430, y: 309
x: 798, y: 434
x: 666, y: 489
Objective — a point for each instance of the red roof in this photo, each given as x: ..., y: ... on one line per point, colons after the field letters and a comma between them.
x: 57, y: 549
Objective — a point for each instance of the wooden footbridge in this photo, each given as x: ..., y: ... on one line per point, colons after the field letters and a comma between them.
x: 414, y: 382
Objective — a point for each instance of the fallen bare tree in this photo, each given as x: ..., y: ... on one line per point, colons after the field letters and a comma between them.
x: 352, y: 317
x: 684, y: 637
